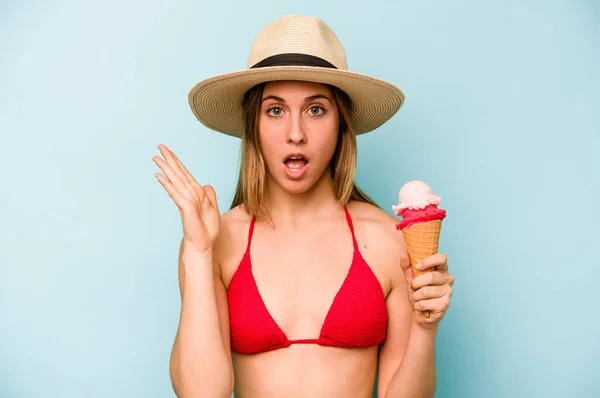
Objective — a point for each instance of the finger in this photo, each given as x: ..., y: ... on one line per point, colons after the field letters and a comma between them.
x: 183, y: 169
x: 437, y: 261
x: 211, y: 194
x: 439, y: 304
x: 170, y: 159
x: 429, y: 278
x: 409, y: 277
x: 431, y: 292
x: 171, y: 190
x: 193, y: 184
x: 405, y: 265
x: 405, y: 261
x: 171, y: 175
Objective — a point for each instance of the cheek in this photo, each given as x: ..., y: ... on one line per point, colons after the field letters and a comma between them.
x: 269, y: 143
x: 328, y: 141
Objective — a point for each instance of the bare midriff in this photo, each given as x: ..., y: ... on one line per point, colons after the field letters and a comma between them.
x: 306, y: 370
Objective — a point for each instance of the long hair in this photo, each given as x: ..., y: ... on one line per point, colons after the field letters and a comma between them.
x: 250, y: 189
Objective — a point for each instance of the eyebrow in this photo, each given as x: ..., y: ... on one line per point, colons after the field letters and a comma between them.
x: 307, y: 99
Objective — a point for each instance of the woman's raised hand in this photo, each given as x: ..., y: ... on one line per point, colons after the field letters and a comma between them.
x: 197, y: 204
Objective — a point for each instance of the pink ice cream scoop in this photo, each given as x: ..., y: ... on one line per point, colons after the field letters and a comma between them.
x: 415, y: 195
x: 417, y: 203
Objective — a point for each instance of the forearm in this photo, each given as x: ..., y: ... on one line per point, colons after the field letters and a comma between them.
x: 200, y: 366
x: 415, y: 377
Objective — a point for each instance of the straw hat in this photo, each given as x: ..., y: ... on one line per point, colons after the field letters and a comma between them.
x: 294, y: 48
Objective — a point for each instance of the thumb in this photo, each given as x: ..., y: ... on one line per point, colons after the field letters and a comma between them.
x: 212, y: 196
x: 405, y: 263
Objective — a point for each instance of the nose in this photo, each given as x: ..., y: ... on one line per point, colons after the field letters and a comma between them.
x: 296, y: 134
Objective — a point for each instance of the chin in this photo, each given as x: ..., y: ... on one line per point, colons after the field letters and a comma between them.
x: 299, y: 185
x: 299, y: 182
x: 296, y: 186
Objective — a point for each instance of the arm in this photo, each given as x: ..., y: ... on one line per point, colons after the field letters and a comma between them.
x: 415, y: 376
x: 407, y: 357
x: 200, y: 362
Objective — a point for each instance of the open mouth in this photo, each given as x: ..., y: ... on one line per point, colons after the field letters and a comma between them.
x: 295, y: 165
x: 295, y: 162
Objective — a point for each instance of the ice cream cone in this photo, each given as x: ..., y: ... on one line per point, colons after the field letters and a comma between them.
x: 421, y: 223
x: 422, y: 241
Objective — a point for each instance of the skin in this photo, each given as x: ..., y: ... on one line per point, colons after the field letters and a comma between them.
x: 298, y: 285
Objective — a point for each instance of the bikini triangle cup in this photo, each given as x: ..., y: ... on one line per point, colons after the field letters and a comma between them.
x: 357, y: 317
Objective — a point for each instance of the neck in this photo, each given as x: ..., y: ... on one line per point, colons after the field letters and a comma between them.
x: 318, y: 202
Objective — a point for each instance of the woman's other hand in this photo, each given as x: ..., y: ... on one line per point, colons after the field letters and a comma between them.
x: 197, y: 204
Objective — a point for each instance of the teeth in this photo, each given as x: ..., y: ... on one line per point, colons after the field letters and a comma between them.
x: 296, y: 157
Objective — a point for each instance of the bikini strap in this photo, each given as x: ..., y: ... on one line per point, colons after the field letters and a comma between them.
x: 349, y: 219
x: 250, y: 232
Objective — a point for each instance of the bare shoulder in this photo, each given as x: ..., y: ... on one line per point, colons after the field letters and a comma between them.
x: 380, y: 243
x: 232, y: 221
x: 230, y: 244
x: 375, y: 226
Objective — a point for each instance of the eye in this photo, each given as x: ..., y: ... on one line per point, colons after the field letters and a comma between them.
x: 316, y: 110
x: 275, y: 111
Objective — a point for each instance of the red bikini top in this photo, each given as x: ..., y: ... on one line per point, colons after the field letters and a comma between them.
x: 357, y: 317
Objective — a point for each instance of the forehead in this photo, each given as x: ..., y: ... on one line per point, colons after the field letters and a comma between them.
x: 295, y: 88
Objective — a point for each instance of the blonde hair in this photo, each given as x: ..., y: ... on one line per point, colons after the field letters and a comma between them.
x: 250, y: 189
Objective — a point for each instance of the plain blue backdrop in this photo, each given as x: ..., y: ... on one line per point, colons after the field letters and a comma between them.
x: 502, y: 119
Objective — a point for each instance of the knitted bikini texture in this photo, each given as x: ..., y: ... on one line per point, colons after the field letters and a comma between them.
x: 357, y: 317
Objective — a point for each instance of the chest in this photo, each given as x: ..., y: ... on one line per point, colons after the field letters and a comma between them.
x: 299, y: 275
x: 313, y: 287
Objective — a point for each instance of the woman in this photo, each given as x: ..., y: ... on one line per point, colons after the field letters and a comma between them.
x: 303, y: 288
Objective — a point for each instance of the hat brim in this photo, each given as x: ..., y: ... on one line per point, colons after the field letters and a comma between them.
x: 217, y: 102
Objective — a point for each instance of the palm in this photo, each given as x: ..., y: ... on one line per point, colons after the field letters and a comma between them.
x: 201, y: 221
x: 197, y: 204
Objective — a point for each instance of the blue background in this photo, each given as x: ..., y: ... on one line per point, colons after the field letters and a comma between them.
x: 502, y: 119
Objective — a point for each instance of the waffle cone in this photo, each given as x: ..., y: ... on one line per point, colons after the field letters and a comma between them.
x: 422, y: 241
